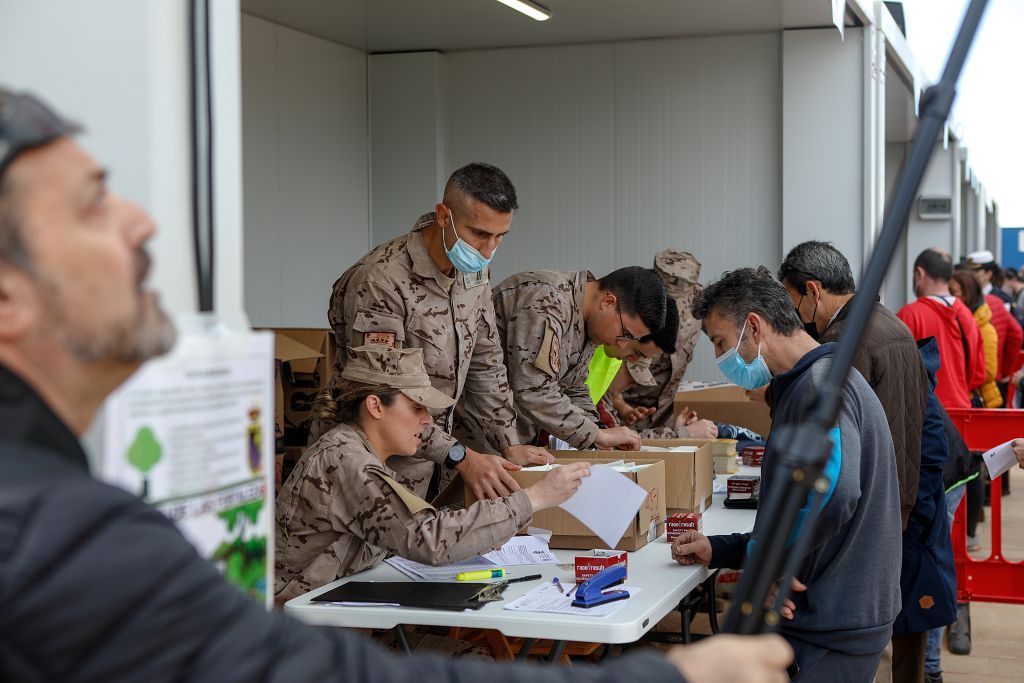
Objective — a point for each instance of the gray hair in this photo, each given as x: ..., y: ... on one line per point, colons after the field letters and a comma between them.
x: 749, y: 290
x: 819, y: 261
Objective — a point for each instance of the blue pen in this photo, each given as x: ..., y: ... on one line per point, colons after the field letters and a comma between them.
x: 558, y: 585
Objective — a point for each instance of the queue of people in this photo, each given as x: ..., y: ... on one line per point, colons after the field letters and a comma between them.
x: 442, y: 373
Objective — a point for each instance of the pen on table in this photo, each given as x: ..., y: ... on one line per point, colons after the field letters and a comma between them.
x: 479, y: 575
x: 531, y: 577
x: 558, y: 585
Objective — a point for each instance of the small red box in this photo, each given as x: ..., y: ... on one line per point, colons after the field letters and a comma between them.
x: 588, y: 565
x: 683, y: 521
x: 743, y: 486
x: 752, y: 456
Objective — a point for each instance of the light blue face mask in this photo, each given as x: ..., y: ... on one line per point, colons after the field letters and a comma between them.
x: 465, y: 258
x: 741, y: 373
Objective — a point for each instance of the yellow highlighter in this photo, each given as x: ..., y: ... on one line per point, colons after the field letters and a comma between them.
x: 480, y: 575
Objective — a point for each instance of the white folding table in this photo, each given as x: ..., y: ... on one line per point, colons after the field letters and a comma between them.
x: 664, y: 584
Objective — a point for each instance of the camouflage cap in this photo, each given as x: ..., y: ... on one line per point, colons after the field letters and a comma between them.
x: 400, y: 369
x: 640, y: 370
x: 672, y: 263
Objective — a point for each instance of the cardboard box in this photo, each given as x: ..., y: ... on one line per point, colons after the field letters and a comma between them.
x: 689, y: 477
x: 305, y: 365
x: 568, y: 532
x: 599, y: 560
x: 683, y: 521
x: 726, y: 403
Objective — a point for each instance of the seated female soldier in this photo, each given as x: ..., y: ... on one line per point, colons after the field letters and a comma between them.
x: 341, y: 509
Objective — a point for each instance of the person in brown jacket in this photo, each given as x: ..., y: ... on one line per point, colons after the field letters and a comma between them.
x: 820, y: 283
x: 342, y: 509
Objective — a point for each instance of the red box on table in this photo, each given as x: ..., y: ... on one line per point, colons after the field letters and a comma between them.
x: 752, y: 456
x: 683, y: 521
x: 743, y: 486
x: 588, y: 565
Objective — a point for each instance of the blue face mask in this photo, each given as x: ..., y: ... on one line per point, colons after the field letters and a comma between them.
x: 465, y: 258
x: 741, y: 373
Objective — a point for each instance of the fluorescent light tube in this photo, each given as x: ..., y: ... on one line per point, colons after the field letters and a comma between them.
x: 529, y: 8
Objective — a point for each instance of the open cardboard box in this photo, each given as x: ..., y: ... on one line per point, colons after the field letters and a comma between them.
x: 726, y: 403
x: 568, y: 532
x: 689, y: 477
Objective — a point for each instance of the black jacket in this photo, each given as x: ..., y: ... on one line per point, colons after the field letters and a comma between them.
x: 888, y: 359
x: 97, y: 586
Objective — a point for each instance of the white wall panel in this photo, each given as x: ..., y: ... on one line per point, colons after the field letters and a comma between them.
x: 306, y: 179
x: 620, y: 150
x: 545, y: 116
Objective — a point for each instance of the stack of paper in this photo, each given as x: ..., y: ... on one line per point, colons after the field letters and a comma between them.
x: 520, y: 550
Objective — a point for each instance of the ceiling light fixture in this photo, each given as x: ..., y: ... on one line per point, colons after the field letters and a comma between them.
x: 529, y: 8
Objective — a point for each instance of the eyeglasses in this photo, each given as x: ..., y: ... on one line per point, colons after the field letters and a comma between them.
x: 625, y: 336
x: 25, y: 123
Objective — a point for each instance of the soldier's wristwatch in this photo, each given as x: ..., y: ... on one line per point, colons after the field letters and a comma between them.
x: 456, y: 454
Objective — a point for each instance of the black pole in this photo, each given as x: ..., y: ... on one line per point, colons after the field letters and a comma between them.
x: 803, y: 449
x: 201, y: 103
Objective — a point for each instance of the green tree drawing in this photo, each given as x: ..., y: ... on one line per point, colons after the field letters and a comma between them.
x: 143, y: 454
x: 243, y: 561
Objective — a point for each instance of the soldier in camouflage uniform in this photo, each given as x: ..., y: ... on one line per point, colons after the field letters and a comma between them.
x: 408, y: 293
x: 342, y: 510
x: 681, y: 273
x: 550, y: 323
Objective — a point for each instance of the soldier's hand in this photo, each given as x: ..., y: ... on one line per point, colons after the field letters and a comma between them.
x: 758, y: 395
x: 487, y: 476
x: 635, y: 414
x: 1018, y: 451
x: 734, y: 659
x: 528, y: 455
x: 622, y: 438
x: 700, y: 429
x: 691, y: 547
x: 558, y: 485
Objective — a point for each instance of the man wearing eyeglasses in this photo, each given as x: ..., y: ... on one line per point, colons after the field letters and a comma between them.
x: 550, y: 323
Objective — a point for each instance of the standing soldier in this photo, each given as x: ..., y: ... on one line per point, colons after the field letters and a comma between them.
x: 680, y: 272
x: 429, y: 290
x: 550, y: 324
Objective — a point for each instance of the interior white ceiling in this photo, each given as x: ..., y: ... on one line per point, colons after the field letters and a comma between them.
x: 446, y: 25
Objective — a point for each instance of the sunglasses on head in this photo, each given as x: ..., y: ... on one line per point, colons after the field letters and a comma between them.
x: 26, y: 123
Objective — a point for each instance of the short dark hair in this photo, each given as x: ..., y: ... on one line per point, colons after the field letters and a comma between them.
x: 485, y: 183
x: 666, y: 337
x: 1011, y: 275
x: 935, y: 264
x: 819, y: 261
x: 640, y: 292
x: 749, y: 290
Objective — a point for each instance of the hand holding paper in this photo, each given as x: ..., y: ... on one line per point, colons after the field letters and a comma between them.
x: 606, y: 502
x: 1004, y: 456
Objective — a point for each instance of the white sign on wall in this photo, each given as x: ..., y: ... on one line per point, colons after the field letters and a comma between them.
x: 192, y: 434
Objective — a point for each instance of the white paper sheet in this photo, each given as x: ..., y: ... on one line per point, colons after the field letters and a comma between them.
x: 547, y: 598
x: 1000, y: 459
x: 444, y: 572
x: 606, y: 502
x: 522, y: 550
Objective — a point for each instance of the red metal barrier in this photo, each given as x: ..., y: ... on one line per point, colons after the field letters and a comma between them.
x: 992, y: 579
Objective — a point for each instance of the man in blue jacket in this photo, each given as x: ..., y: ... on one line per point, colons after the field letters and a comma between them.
x: 848, y: 595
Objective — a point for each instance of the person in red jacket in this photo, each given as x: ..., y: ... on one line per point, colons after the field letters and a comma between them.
x: 939, y: 314
x: 982, y: 266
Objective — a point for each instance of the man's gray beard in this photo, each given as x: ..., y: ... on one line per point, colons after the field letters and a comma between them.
x: 150, y: 333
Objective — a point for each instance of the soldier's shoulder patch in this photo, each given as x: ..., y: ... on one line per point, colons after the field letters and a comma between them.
x: 547, y: 358
x: 410, y: 499
x: 477, y: 279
